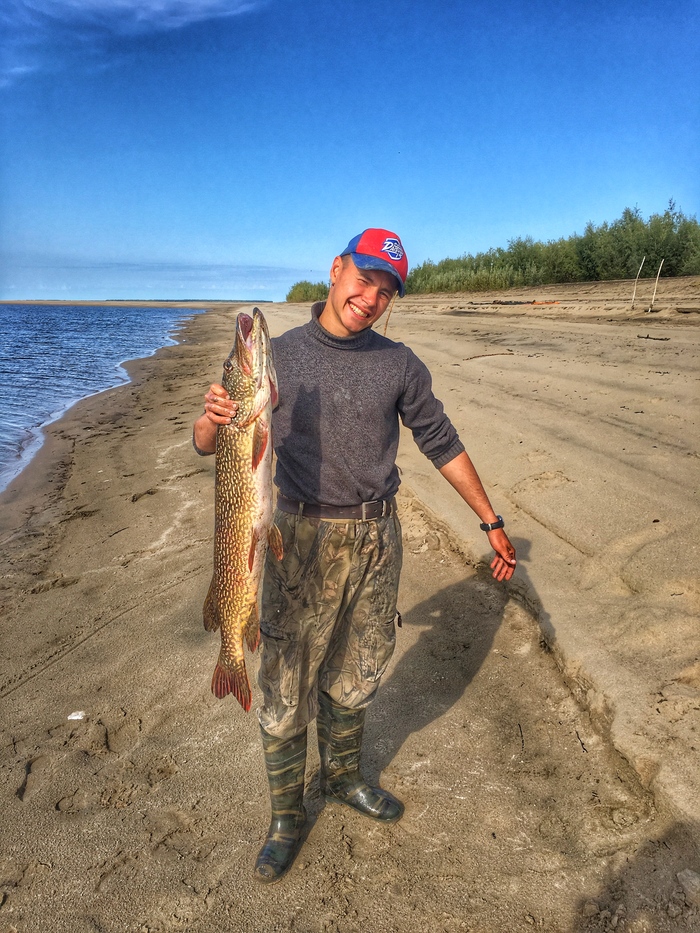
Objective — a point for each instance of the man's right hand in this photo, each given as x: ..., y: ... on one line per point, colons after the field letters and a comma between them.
x: 218, y: 407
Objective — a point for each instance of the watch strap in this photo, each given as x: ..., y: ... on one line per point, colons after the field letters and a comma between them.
x: 485, y: 526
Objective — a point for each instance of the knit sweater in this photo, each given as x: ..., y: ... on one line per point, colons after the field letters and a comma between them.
x: 336, y: 429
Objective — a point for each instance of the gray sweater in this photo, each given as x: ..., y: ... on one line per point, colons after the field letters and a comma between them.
x: 336, y: 429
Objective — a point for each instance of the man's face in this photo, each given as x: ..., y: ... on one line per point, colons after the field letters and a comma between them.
x: 357, y: 298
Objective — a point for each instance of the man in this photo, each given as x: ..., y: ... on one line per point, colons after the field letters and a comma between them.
x: 329, y: 605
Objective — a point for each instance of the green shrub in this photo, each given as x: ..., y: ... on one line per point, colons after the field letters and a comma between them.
x: 308, y: 291
x: 610, y: 251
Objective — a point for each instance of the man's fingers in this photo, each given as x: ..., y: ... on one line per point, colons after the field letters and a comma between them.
x: 503, y: 569
x: 218, y: 407
x: 221, y: 406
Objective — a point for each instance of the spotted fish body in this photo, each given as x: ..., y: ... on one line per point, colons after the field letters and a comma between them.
x: 243, y: 505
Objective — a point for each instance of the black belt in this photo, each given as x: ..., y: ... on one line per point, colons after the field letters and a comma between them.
x: 364, y: 512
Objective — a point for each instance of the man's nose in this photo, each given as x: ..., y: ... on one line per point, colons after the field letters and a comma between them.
x: 372, y: 294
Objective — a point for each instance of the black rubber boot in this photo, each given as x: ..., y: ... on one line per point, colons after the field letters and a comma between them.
x: 339, y: 744
x: 285, y: 760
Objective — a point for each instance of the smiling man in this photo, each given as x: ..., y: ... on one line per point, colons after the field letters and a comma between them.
x: 329, y: 605
x: 363, y: 282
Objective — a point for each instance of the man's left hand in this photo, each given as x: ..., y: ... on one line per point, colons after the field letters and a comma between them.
x: 503, y: 564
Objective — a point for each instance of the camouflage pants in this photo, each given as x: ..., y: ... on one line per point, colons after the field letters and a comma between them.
x: 327, y: 620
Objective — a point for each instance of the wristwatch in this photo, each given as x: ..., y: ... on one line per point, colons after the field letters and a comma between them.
x: 485, y: 526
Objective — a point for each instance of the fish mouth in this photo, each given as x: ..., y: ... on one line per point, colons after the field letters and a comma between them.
x: 252, y: 345
x: 245, y: 327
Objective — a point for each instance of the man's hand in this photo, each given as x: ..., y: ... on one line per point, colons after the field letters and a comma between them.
x: 218, y: 407
x: 503, y: 564
x: 461, y: 474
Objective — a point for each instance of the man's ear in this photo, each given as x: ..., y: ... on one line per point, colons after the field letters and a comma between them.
x: 336, y: 266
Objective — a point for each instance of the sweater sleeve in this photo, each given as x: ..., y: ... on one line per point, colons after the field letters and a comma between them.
x: 425, y: 416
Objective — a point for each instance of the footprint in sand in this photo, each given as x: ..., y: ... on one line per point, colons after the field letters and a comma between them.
x: 74, y: 803
x: 38, y: 770
x: 123, y: 736
x: 139, y: 495
x: 56, y: 580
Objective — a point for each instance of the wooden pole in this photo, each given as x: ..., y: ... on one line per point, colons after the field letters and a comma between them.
x: 391, y: 308
x: 651, y: 306
x: 634, y: 293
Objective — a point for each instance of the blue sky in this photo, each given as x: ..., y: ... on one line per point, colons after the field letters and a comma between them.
x: 228, y: 148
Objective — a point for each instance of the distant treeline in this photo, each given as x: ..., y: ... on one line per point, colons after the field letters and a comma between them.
x: 610, y: 251
x: 308, y: 291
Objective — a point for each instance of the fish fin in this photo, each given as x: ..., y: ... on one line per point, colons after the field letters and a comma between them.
x: 261, y: 434
x: 211, y: 610
x: 262, y: 397
x: 274, y: 538
x: 253, y: 545
x: 252, y: 629
x: 274, y: 392
x: 234, y: 681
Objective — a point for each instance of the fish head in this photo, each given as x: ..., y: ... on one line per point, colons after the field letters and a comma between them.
x: 249, y: 369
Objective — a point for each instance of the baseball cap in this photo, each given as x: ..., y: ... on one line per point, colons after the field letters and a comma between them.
x: 379, y: 249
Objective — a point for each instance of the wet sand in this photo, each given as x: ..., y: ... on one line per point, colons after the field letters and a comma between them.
x: 545, y: 788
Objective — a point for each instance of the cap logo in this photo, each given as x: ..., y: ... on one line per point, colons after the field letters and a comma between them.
x: 392, y: 246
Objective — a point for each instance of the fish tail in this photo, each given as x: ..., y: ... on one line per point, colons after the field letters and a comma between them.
x: 235, y: 681
x: 211, y: 610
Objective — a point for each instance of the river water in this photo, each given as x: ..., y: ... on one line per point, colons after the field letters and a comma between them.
x: 51, y: 356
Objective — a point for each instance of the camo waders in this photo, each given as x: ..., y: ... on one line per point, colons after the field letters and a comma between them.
x: 285, y: 761
x: 327, y: 620
x: 340, y: 745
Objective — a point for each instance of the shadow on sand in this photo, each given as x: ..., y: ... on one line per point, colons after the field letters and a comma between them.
x: 459, y: 625
x: 643, y: 894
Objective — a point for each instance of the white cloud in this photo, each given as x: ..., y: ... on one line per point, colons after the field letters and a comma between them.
x: 131, y: 16
x: 38, y: 34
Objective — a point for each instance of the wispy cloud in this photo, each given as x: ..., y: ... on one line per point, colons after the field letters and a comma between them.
x: 29, y: 28
x: 127, y: 16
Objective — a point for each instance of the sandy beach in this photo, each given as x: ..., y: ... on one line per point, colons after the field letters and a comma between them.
x: 544, y: 736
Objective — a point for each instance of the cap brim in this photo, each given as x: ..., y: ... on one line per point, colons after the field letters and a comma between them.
x: 363, y: 261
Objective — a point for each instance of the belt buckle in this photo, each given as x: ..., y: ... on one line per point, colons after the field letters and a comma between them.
x: 384, y: 512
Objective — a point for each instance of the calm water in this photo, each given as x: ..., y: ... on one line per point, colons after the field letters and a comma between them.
x: 51, y: 356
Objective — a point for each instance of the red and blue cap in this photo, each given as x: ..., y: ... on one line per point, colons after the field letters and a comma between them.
x: 379, y: 249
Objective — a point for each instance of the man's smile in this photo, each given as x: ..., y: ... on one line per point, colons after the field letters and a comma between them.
x: 358, y: 311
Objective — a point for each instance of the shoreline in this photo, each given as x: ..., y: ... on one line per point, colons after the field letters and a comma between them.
x: 35, y: 435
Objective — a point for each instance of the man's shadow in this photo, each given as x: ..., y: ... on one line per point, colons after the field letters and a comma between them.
x: 646, y: 893
x: 460, y: 623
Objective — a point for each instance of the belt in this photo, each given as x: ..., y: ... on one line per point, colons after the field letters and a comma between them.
x: 364, y: 512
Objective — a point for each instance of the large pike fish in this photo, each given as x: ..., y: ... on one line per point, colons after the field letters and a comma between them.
x: 243, y: 505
